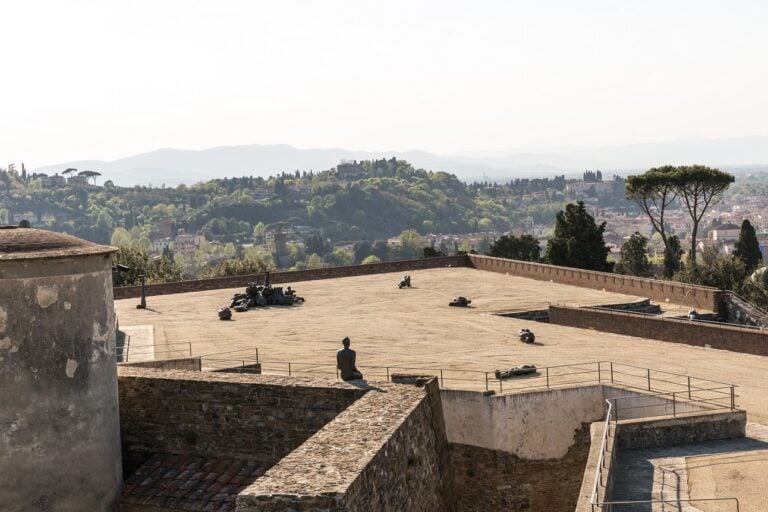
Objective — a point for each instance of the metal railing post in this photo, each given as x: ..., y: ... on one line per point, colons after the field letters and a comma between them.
x: 674, y: 406
x: 611, y: 372
x: 733, y: 398
x: 501, y: 386
x: 547, y: 377
x: 486, y: 381
x: 649, y: 379
x: 689, y: 387
x: 599, y: 377
x: 289, y: 369
x: 441, y: 378
x: 387, y: 373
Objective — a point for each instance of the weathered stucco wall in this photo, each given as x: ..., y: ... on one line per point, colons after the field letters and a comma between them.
x: 529, y: 450
x: 223, y: 414
x: 523, y: 451
x: 59, y: 425
x: 386, y: 452
x: 537, y: 425
x: 628, y: 404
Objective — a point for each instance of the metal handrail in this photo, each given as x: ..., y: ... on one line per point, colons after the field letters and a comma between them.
x: 601, y: 457
x: 609, y: 504
x: 255, y: 349
x: 612, y: 415
x: 151, y: 349
x: 544, y: 378
x: 761, y: 310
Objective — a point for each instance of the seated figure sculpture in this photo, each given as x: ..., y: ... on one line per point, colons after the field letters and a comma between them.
x: 345, y: 361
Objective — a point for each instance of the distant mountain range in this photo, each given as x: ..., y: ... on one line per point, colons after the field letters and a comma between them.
x: 174, y: 166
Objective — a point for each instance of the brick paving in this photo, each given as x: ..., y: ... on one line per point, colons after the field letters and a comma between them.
x: 182, y: 482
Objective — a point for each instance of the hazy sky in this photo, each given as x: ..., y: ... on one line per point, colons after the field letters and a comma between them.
x: 107, y: 79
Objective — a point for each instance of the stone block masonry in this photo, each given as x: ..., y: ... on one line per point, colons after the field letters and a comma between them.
x: 386, y: 452
x: 658, y: 432
x: 497, y: 480
x: 222, y: 415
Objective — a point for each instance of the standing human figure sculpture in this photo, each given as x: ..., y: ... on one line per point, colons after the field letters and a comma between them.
x: 345, y: 361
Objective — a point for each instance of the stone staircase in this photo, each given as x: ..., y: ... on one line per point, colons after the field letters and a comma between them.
x: 643, y: 306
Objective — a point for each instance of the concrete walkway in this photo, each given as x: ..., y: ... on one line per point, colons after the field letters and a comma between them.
x: 662, y: 474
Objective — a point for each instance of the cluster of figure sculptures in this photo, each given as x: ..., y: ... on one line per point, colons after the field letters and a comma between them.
x: 257, y: 295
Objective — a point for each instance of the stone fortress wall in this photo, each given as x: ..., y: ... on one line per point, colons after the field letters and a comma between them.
x: 386, y: 452
x: 716, y: 335
x: 59, y: 428
x: 330, y: 445
x: 222, y: 415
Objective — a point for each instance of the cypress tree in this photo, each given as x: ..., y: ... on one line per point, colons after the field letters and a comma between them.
x: 747, y: 249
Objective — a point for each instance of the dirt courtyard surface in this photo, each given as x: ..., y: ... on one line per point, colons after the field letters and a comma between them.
x: 732, y: 474
x: 415, y: 328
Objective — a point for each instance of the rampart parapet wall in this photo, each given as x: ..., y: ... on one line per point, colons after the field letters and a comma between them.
x: 676, y: 330
x: 388, y: 452
x: 291, y: 276
x: 702, y: 297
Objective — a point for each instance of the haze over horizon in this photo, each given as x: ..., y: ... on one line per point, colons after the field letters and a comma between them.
x: 102, y: 81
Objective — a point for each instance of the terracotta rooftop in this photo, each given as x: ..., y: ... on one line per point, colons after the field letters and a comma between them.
x: 187, y: 482
x: 26, y: 243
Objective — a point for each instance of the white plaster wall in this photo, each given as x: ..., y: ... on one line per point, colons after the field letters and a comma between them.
x: 634, y: 404
x: 541, y: 424
x: 536, y: 425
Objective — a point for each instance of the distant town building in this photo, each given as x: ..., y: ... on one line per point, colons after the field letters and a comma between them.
x: 277, y: 241
x: 350, y: 170
x: 724, y: 232
x: 187, y: 243
x: 54, y: 181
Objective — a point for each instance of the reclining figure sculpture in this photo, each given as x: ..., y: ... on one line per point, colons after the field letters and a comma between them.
x: 460, y: 302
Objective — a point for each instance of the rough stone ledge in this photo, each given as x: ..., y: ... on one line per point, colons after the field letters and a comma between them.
x: 322, y: 469
x: 238, y: 378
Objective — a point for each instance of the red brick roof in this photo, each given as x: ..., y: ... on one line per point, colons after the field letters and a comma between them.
x: 187, y: 482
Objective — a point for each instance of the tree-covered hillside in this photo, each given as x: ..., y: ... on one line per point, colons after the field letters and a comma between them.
x: 356, y: 201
